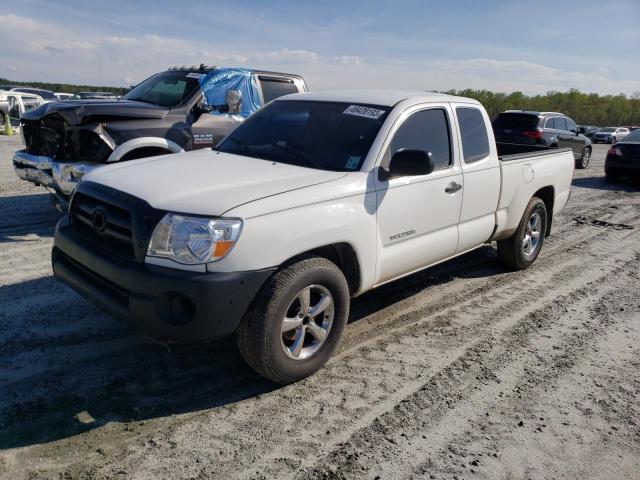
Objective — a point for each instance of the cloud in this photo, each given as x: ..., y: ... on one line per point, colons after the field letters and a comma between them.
x: 348, y: 60
x: 44, y: 51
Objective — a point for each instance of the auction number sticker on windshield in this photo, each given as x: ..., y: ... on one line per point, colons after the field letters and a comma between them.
x: 367, y: 112
x: 195, y: 75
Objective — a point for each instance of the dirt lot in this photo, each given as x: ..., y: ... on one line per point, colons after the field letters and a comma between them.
x: 466, y: 370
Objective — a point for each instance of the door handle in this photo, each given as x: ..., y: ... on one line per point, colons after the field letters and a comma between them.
x: 453, y: 187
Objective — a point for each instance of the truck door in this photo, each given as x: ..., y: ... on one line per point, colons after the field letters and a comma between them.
x: 481, y: 171
x: 417, y: 216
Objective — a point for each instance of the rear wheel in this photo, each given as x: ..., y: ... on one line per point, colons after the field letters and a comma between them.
x: 296, y: 322
x: 521, y: 249
x: 584, y: 160
x: 613, y: 140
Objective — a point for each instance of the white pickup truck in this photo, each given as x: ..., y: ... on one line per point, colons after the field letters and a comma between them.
x: 315, y: 199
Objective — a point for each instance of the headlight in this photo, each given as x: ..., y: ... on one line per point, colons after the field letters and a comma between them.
x: 193, y: 240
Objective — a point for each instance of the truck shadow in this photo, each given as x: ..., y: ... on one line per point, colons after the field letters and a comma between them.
x: 65, y: 368
x: 26, y: 214
x: 599, y: 183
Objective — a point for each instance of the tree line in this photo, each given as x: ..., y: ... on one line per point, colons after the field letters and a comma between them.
x: 65, y: 87
x: 583, y: 108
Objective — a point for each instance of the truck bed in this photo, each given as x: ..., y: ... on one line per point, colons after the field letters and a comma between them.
x: 546, y: 173
x: 514, y: 151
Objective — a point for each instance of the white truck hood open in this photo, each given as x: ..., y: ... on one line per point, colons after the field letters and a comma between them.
x: 206, y: 182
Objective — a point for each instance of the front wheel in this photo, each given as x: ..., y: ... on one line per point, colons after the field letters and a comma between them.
x: 521, y: 249
x: 584, y: 160
x: 296, y: 322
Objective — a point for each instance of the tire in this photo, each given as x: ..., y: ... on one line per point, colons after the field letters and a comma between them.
x: 260, y: 337
x: 584, y: 160
x: 613, y: 140
x: 513, y: 251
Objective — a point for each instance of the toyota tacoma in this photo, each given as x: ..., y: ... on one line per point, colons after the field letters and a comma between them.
x: 316, y: 198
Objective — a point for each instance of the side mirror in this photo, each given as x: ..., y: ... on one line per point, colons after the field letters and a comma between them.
x: 407, y: 162
x: 203, y: 107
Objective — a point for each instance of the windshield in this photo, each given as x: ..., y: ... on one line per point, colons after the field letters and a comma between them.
x: 323, y: 135
x: 632, y: 137
x: 608, y: 129
x: 167, y: 89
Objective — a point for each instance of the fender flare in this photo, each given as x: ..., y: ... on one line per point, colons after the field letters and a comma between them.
x: 143, y: 142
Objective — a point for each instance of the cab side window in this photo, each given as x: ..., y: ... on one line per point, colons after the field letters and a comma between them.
x: 426, y: 130
x: 475, y: 142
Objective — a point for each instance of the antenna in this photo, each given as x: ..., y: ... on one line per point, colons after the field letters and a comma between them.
x: 99, y: 67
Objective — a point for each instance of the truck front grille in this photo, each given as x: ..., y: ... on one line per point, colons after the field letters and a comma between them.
x: 103, y: 224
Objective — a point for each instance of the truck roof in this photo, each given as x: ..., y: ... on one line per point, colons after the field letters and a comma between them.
x: 208, y: 68
x: 377, y: 97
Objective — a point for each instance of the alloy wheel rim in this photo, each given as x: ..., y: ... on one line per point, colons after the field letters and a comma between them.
x: 532, y: 234
x: 307, y: 322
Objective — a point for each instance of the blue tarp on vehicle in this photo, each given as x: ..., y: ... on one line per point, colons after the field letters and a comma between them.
x: 216, y: 83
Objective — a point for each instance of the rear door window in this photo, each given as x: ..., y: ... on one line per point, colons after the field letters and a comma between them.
x: 273, y: 88
x: 570, y: 124
x: 559, y: 124
x: 475, y: 142
x: 426, y: 130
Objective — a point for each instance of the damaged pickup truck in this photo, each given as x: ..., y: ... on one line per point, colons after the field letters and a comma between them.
x: 183, y: 108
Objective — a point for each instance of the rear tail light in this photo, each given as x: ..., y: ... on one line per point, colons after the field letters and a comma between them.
x: 614, y: 151
x: 535, y: 134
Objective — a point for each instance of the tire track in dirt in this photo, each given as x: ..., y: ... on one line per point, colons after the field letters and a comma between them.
x: 345, y: 372
x: 459, y: 397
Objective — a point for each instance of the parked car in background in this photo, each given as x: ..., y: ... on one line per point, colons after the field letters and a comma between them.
x: 610, y: 135
x: 46, y: 95
x: 64, y: 96
x: 316, y: 198
x: 15, y: 104
x: 541, y: 130
x: 95, y: 96
x: 623, y: 158
x: 588, y: 130
x: 173, y: 111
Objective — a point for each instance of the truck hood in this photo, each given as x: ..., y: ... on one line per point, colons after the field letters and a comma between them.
x: 205, y: 182
x: 78, y: 112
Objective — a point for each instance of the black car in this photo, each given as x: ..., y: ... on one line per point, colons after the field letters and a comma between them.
x: 545, y: 130
x: 623, y: 158
x: 588, y: 130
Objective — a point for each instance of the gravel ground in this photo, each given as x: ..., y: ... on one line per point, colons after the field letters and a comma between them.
x: 466, y: 370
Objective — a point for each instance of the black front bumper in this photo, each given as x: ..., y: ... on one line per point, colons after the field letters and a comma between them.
x: 616, y: 166
x: 165, y: 304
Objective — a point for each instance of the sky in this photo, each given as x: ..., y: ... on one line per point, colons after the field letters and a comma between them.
x: 532, y: 47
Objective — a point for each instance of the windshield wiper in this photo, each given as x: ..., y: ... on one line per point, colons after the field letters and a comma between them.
x: 298, y: 152
x: 239, y: 142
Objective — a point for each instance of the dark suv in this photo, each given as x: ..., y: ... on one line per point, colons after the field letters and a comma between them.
x: 542, y: 129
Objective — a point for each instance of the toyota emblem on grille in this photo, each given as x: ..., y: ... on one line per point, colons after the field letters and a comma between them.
x: 99, y: 220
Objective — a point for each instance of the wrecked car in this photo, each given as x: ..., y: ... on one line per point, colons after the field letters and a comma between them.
x: 181, y: 109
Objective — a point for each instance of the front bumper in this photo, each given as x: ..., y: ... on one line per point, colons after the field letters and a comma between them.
x: 617, y: 166
x: 165, y: 304
x: 606, y: 139
x: 60, y: 176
